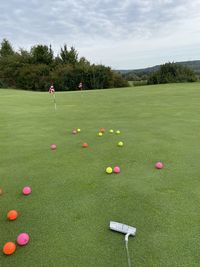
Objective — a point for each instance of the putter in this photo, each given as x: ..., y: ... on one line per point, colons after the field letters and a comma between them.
x: 127, y: 230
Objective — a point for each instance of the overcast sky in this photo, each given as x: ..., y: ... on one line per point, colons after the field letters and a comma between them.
x: 123, y: 34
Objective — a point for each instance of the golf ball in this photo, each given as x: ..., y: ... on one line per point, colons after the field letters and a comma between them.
x: 26, y: 190
x: 84, y: 145
x: 1, y: 191
x: 111, y: 131
x: 78, y: 130
x: 23, y: 239
x: 100, y: 134
x: 116, y: 169
x: 102, y: 130
x: 109, y: 170
x: 9, y: 248
x: 159, y: 165
x: 53, y: 146
x: 120, y: 143
x: 12, y: 215
x: 118, y: 132
x: 74, y: 131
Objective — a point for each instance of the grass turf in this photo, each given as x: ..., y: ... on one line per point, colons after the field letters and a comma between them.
x: 73, y: 199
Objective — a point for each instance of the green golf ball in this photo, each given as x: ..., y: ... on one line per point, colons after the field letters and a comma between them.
x: 120, y: 143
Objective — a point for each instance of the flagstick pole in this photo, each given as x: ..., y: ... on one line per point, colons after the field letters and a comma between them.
x: 54, y: 96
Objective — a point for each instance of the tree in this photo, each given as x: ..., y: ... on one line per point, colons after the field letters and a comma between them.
x: 63, y: 78
x: 34, y: 77
x: 42, y: 54
x: 69, y: 57
x: 25, y: 56
x: 83, y: 61
x: 6, y: 49
x: 119, y: 81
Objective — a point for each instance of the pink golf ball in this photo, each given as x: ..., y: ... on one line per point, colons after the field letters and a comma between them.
x: 26, y: 190
x: 159, y: 165
x: 116, y: 169
x: 23, y: 239
x: 53, y: 146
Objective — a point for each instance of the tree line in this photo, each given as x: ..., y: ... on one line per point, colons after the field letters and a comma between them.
x: 167, y: 73
x: 36, y: 69
x: 172, y: 73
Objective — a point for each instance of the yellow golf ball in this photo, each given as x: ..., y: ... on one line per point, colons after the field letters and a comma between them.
x: 78, y: 130
x: 109, y: 170
x: 100, y: 134
x: 118, y: 132
x: 120, y: 143
x: 111, y: 131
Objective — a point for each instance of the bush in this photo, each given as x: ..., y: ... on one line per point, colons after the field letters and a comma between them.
x: 172, y: 73
x: 33, y: 77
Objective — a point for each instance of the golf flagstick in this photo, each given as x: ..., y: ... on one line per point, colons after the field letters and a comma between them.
x: 54, y: 96
x: 52, y: 92
x: 80, y: 86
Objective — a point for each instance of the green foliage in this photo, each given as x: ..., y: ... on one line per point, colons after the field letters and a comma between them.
x: 34, y: 77
x: 138, y: 83
x: 6, y: 49
x: 69, y: 57
x: 9, y: 67
x: 41, y: 54
x: 38, y: 68
x: 138, y: 78
x: 62, y: 77
x: 172, y: 73
x: 100, y: 76
x: 118, y: 81
x: 143, y: 74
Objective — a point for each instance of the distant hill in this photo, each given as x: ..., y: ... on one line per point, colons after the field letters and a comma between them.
x: 195, y: 65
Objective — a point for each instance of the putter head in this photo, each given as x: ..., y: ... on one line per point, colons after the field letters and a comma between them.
x: 122, y: 228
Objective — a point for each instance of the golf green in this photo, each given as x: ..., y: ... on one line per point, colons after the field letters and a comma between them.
x: 73, y: 198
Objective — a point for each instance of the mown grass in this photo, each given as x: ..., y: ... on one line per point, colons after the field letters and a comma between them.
x: 73, y: 199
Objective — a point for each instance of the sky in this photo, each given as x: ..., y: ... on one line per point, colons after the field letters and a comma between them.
x: 122, y: 34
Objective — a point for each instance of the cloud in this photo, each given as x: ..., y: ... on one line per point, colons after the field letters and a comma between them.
x: 122, y: 34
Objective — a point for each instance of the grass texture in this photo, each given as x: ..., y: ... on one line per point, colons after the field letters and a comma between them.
x: 73, y: 200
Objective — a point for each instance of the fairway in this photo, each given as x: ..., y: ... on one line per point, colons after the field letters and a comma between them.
x: 73, y: 199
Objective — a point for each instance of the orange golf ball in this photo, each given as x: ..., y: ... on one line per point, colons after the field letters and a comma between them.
x: 12, y: 215
x: 1, y: 191
x: 102, y: 130
x: 84, y: 145
x: 9, y: 248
